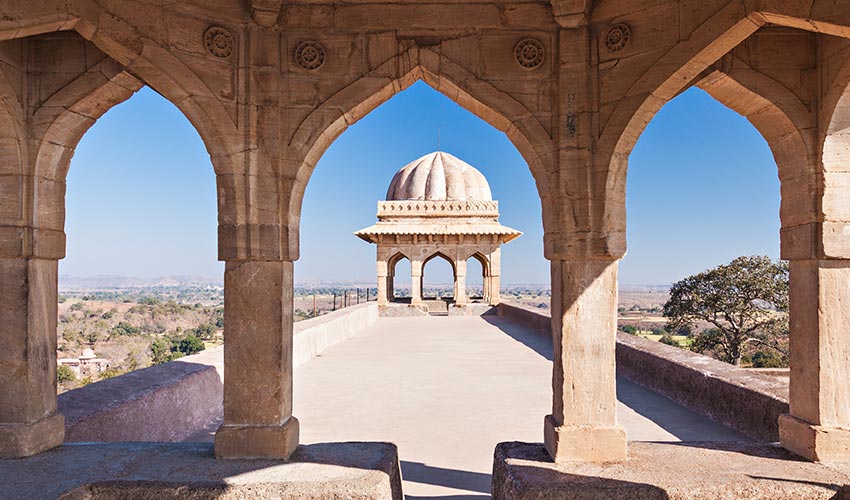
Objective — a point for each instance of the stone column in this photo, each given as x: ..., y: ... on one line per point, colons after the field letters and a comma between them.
x: 29, y: 423
x: 460, y: 282
x: 415, y: 282
x: 818, y: 426
x: 258, y: 308
x: 383, y: 283
x: 583, y: 424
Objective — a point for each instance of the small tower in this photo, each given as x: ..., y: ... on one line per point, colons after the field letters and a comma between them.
x: 438, y: 205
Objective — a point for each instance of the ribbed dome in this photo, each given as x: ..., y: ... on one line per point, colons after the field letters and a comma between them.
x: 437, y: 177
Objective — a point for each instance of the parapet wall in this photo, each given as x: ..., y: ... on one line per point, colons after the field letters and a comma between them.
x: 748, y: 402
x: 174, y: 400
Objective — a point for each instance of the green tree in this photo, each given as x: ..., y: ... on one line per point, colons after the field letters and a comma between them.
x: 669, y: 340
x: 189, y: 344
x: 160, y: 351
x: 746, y: 302
x: 124, y: 328
x: 65, y: 374
x: 630, y: 329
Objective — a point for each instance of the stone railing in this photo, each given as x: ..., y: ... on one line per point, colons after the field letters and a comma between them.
x: 172, y: 401
x: 427, y: 208
x: 738, y: 398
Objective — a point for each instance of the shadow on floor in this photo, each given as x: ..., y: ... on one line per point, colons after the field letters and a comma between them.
x: 679, y: 421
x: 537, y: 343
x: 450, y: 478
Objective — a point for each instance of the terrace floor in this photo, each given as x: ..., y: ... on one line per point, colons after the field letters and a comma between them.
x: 446, y: 390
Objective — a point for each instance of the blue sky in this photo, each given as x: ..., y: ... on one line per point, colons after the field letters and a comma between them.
x: 702, y: 189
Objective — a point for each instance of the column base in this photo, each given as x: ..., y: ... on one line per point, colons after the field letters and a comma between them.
x: 24, y: 440
x: 583, y: 444
x: 257, y: 441
x: 814, y: 442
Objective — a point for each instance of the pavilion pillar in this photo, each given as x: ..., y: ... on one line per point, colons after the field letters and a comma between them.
x: 258, y: 311
x: 818, y: 425
x: 29, y: 423
x: 384, y: 286
x: 460, y: 283
x: 583, y: 424
x: 494, y: 282
x: 415, y: 281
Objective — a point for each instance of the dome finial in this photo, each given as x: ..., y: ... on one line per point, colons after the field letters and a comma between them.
x: 438, y: 138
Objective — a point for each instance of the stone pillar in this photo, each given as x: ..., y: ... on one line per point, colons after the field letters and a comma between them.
x: 494, y: 263
x: 258, y: 308
x: 460, y: 282
x: 494, y: 284
x: 383, y: 283
x: 415, y: 282
x: 583, y: 424
x: 818, y: 426
x: 29, y: 423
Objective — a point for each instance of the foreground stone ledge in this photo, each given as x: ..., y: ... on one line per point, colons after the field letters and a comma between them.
x: 681, y: 470
x: 101, y: 471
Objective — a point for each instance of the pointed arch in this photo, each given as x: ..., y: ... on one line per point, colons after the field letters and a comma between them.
x: 781, y: 118
x: 440, y: 255
x: 324, y: 124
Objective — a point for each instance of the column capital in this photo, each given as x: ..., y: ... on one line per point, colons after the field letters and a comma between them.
x: 31, y: 243
x: 580, y: 246
x: 825, y: 240
x: 257, y: 243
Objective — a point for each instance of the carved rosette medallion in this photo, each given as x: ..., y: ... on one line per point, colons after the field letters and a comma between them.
x: 310, y: 55
x: 529, y: 53
x: 219, y: 42
x: 618, y: 37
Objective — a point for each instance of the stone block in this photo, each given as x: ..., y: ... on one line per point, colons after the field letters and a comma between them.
x: 814, y: 442
x: 113, y: 471
x: 662, y: 471
x: 583, y: 443
x: 25, y: 440
x: 257, y: 441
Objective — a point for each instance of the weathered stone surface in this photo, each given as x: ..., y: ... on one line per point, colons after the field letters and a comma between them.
x: 166, y: 402
x: 28, y: 298
x: 693, y: 471
x: 112, y: 471
x: 27, y: 439
x: 583, y: 424
x: 258, y: 418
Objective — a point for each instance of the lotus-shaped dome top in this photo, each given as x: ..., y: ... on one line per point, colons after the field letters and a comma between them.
x: 439, y: 176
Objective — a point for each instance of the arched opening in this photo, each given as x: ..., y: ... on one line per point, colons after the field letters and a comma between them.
x: 140, y: 283
x: 398, y: 278
x: 355, y: 172
x: 438, y: 278
x: 764, y: 129
x: 476, y: 269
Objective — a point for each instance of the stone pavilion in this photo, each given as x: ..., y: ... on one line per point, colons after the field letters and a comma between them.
x: 438, y: 206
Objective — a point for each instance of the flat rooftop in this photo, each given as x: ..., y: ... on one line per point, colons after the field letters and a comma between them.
x: 446, y: 390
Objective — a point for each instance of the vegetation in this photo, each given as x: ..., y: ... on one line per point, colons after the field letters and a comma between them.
x: 745, y: 304
x: 65, y: 374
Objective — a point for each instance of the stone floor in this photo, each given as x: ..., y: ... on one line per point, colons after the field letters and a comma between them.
x: 446, y: 390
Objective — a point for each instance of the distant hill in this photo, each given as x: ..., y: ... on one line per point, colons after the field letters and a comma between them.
x: 69, y: 282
